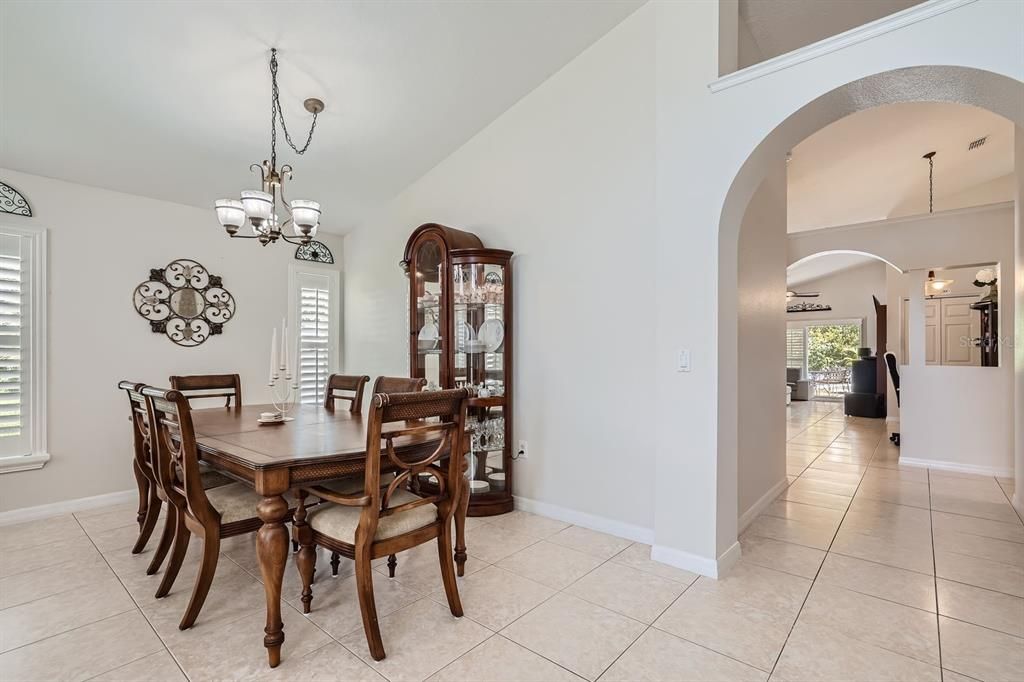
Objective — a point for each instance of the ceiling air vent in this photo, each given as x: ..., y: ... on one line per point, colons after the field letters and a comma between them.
x: 977, y: 143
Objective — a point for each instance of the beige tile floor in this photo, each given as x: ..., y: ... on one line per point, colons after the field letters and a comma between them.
x: 863, y: 569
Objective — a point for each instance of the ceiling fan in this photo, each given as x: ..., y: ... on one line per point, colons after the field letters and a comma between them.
x: 802, y: 294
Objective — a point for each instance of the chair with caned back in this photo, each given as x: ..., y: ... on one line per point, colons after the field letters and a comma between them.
x: 398, y: 385
x: 353, y: 387
x: 379, y: 521
x: 197, y: 386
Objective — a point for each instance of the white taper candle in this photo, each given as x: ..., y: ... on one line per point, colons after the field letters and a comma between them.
x: 273, y: 356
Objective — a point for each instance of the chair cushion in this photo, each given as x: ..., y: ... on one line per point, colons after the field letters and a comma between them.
x: 235, y: 502
x: 340, y: 522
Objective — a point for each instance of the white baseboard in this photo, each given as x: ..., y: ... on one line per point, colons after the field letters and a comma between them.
x: 755, y: 510
x: 713, y: 568
x: 601, y: 524
x: 44, y: 511
x: 892, y: 419
x: 957, y: 467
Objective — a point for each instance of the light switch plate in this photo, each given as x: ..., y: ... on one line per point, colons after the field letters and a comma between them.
x: 683, y: 364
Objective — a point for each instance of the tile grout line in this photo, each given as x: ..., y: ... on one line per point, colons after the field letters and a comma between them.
x: 137, y: 608
x: 818, y: 572
x: 935, y: 577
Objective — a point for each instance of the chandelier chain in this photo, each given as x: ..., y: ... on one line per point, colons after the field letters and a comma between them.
x: 931, y: 187
x: 276, y: 114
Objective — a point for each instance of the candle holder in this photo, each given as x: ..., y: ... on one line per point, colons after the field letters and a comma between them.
x: 284, y: 387
x: 282, y: 394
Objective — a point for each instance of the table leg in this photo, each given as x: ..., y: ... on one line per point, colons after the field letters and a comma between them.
x: 272, y: 550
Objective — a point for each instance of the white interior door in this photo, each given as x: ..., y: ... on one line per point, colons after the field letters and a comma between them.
x: 960, y: 326
x: 932, y: 329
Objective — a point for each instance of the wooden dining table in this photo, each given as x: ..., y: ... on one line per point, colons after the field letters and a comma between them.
x: 317, y: 446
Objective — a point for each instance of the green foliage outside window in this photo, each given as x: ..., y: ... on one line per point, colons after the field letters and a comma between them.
x: 832, y: 346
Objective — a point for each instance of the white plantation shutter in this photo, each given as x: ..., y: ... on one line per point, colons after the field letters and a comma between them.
x: 22, y: 329
x: 796, y: 349
x: 315, y: 314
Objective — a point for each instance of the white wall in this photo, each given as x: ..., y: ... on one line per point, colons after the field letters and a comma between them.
x: 564, y: 179
x: 101, y: 245
x: 715, y: 145
x: 849, y: 294
x: 1018, y: 349
x: 761, y: 349
x: 983, y: 234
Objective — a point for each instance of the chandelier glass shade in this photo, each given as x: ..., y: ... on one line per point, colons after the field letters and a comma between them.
x: 259, y: 208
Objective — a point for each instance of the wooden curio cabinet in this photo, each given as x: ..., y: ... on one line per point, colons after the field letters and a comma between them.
x: 460, y: 336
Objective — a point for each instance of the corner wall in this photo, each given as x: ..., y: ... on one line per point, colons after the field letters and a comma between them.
x: 761, y: 349
x: 565, y: 179
x: 102, y: 244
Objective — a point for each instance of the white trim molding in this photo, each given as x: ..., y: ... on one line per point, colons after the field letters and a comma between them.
x: 45, y: 511
x: 14, y: 463
x: 747, y: 517
x: 601, y: 524
x: 911, y: 15
x: 957, y: 467
x: 712, y: 568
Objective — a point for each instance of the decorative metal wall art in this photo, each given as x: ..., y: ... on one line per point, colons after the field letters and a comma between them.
x: 807, y: 307
x: 185, y: 302
x: 12, y: 201
x: 316, y: 252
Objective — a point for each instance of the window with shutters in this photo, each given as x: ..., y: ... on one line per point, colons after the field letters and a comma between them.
x: 315, y: 308
x: 796, y: 348
x: 22, y: 348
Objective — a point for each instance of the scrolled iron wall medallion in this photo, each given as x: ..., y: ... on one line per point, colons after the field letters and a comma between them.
x: 185, y: 302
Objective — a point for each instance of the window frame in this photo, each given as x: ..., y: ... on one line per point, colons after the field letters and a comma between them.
x: 38, y: 344
x: 295, y: 270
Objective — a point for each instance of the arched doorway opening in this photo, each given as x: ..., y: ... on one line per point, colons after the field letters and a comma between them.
x: 996, y: 93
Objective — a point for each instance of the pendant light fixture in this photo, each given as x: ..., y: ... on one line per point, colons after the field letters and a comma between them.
x: 935, y: 286
x: 260, y: 207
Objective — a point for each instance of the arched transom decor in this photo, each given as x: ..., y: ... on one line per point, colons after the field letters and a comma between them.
x: 12, y: 201
x: 185, y: 302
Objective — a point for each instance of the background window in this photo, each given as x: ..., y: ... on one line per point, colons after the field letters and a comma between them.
x: 315, y: 312
x: 22, y: 348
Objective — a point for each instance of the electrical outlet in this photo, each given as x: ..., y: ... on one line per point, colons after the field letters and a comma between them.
x: 523, y: 451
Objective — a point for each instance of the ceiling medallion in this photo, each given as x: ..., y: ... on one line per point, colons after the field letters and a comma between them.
x: 12, y: 201
x: 259, y: 207
x: 315, y: 252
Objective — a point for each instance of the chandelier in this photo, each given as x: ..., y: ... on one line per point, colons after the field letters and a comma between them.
x: 260, y: 207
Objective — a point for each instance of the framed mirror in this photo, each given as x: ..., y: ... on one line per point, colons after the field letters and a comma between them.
x: 184, y: 302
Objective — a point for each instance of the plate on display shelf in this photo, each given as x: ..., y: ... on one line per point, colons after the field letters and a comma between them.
x: 463, y: 334
x: 491, y: 333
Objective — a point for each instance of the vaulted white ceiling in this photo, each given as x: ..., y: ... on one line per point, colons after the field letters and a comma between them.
x: 868, y: 166
x: 171, y: 99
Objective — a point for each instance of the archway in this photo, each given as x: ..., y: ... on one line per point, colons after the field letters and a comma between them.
x: 997, y: 93
x: 837, y: 252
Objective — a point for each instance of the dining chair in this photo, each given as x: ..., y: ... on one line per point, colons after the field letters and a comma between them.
x: 376, y: 522
x: 398, y: 385
x: 212, y: 514
x: 350, y: 383
x: 197, y: 386
x: 151, y: 494
x: 388, y: 385
x: 145, y: 478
